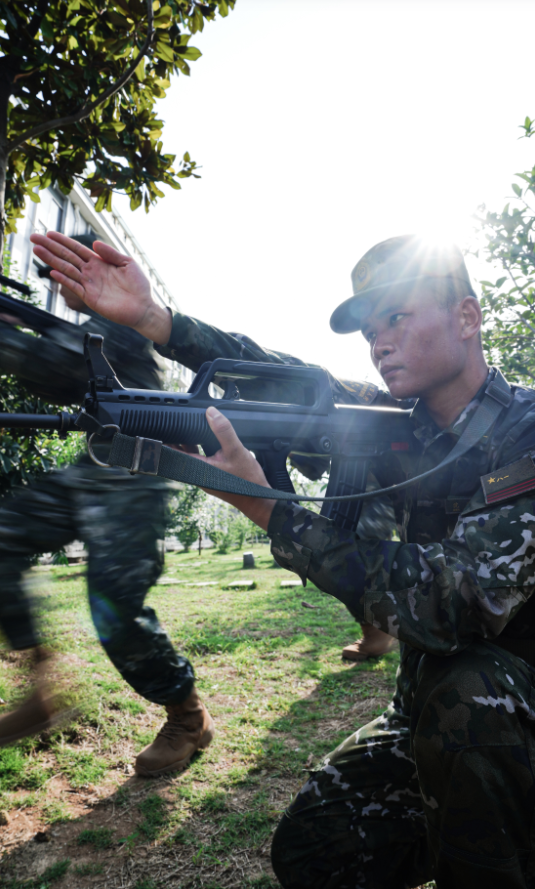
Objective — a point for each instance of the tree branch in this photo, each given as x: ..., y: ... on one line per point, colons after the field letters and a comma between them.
x: 86, y: 110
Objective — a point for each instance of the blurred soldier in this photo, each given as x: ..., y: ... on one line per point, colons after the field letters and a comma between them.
x: 121, y: 519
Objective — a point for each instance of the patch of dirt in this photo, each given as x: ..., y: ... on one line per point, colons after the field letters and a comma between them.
x: 186, y: 864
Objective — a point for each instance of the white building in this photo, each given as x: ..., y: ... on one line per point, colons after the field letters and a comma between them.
x: 76, y: 215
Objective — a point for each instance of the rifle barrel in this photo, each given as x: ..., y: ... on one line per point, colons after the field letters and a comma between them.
x: 62, y: 421
x: 32, y: 316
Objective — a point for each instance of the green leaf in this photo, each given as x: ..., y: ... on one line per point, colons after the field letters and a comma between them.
x: 47, y: 30
x: 517, y: 190
x: 164, y: 51
x: 140, y: 70
x: 190, y: 52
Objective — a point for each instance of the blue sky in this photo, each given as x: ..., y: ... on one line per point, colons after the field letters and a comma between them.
x: 321, y: 129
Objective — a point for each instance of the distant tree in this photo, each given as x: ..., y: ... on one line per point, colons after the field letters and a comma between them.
x: 189, y: 516
x: 228, y: 528
x: 79, y: 80
x: 507, y: 241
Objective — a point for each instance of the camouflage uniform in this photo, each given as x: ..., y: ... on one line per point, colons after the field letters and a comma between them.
x: 119, y: 517
x: 442, y: 785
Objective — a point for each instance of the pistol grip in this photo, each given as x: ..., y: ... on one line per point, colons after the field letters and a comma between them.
x: 274, y: 465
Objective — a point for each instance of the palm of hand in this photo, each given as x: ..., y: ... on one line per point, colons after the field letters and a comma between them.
x: 119, y: 292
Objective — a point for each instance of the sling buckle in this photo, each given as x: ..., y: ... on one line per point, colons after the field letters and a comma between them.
x: 146, y: 459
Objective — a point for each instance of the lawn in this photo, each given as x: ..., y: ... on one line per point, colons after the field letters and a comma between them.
x: 268, y: 666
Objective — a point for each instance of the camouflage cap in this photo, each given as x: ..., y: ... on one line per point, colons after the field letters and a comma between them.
x: 395, y: 262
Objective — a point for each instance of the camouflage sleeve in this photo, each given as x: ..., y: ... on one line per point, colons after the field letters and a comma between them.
x: 193, y: 342
x: 437, y: 598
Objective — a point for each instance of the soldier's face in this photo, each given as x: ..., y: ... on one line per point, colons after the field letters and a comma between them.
x: 416, y: 344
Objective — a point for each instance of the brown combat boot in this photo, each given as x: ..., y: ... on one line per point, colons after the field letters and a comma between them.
x: 374, y: 643
x: 41, y: 710
x: 189, y: 727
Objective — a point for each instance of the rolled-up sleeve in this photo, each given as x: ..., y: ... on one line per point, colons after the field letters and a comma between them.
x: 438, y: 597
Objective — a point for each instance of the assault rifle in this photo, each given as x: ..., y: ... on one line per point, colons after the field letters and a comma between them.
x: 31, y: 316
x: 276, y: 410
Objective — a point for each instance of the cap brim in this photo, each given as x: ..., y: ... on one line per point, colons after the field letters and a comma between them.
x: 347, y: 318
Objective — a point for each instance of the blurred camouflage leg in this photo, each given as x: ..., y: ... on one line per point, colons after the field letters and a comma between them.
x: 121, y: 527
x: 34, y: 520
x: 473, y: 724
x: 358, y: 822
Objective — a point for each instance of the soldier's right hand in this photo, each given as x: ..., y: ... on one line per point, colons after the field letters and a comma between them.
x: 107, y: 281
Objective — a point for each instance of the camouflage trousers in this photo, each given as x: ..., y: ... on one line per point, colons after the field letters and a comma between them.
x: 120, y: 518
x: 441, y: 786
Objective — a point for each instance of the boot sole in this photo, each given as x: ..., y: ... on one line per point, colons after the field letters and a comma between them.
x: 40, y: 727
x: 180, y: 764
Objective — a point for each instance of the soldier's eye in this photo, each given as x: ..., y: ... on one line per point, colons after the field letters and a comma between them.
x: 369, y: 336
x: 395, y: 318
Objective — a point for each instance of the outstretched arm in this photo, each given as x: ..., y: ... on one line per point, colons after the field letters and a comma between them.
x: 107, y: 281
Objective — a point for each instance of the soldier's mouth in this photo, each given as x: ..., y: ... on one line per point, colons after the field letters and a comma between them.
x: 388, y: 372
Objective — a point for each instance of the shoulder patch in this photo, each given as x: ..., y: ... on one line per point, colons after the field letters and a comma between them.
x: 502, y: 484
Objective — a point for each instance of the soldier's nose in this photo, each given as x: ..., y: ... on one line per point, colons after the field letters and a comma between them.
x: 381, y: 350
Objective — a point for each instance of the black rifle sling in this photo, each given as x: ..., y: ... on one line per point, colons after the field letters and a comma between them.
x: 150, y: 457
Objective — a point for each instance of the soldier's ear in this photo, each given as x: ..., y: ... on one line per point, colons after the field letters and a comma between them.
x: 470, y: 316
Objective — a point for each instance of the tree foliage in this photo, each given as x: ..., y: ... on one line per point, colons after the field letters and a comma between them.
x: 79, y: 80
x: 508, y: 299
x: 189, y: 516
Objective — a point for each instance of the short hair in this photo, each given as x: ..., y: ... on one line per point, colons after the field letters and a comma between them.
x: 450, y: 291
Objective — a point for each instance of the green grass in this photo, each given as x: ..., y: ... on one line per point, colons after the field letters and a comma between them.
x: 99, y: 837
x: 81, y: 768
x: 55, y: 812
x: 272, y: 677
x: 49, y: 876
x: 155, y: 818
x: 88, y: 870
x: 21, y: 770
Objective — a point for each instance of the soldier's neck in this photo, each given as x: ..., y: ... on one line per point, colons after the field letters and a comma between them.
x: 445, y: 403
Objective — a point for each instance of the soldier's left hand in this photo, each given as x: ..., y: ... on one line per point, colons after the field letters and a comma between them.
x: 237, y: 460
x: 110, y: 283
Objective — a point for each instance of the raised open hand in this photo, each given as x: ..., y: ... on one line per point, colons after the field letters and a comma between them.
x: 106, y: 281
